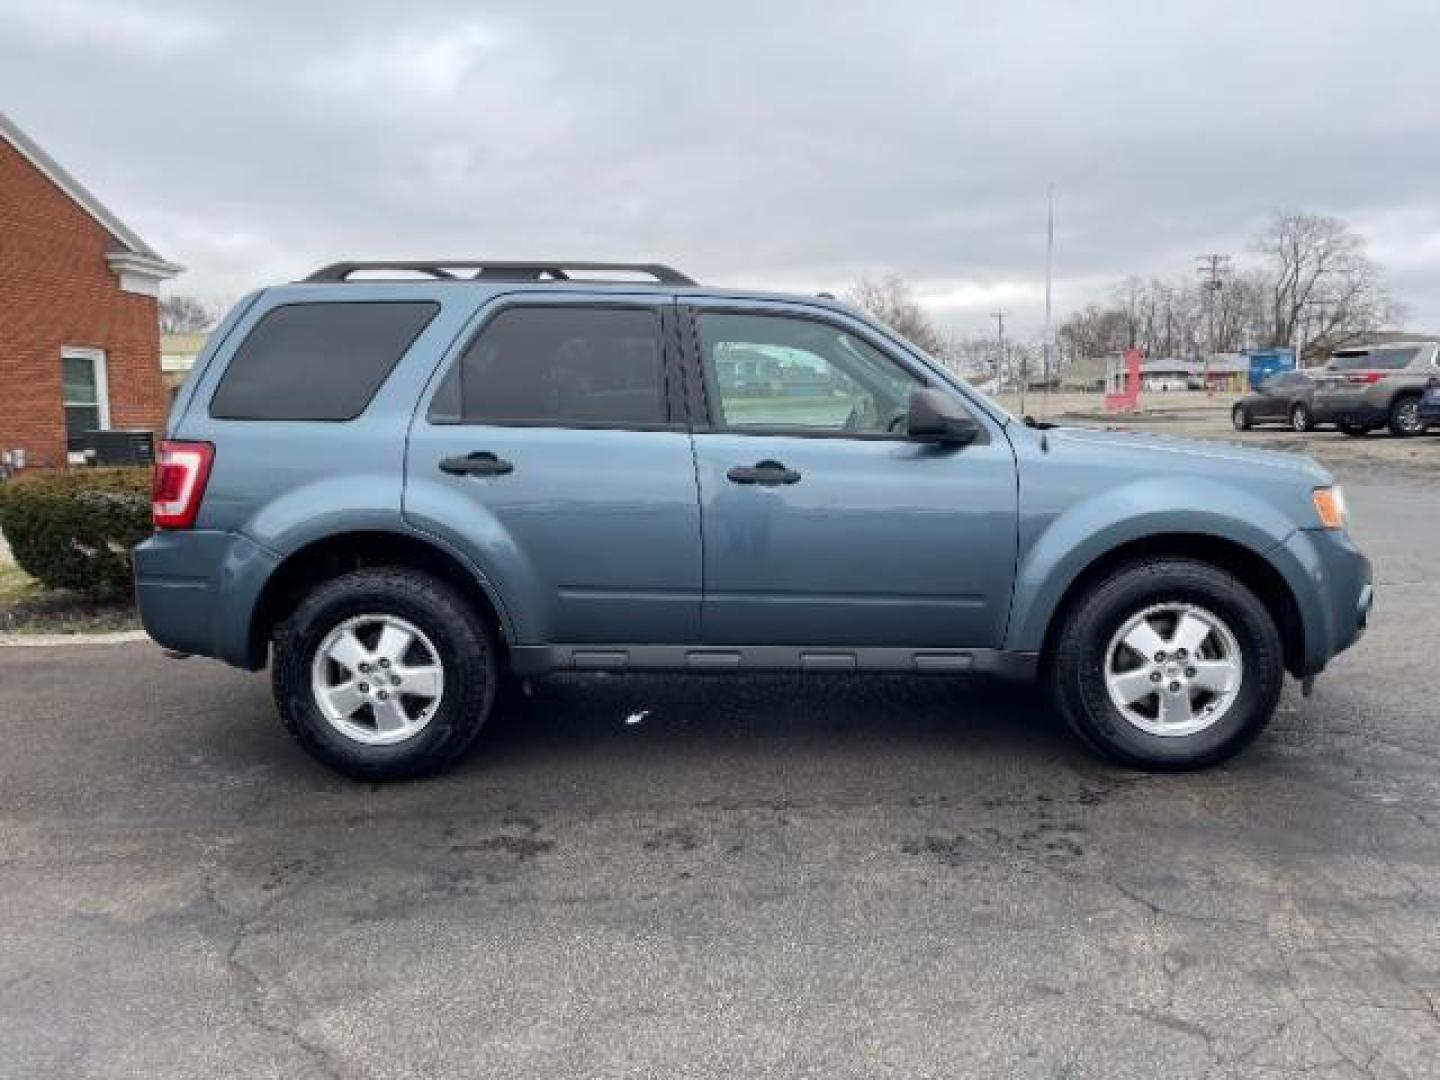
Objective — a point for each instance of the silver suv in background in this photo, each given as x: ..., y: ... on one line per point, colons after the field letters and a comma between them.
x: 1371, y: 386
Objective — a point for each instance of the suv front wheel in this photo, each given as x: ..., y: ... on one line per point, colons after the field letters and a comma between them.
x: 384, y: 674
x: 1168, y: 664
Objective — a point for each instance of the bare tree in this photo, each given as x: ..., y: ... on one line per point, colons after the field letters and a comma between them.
x: 892, y: 302
x: 1319, y: 274
x: 1094, y: 331
x: 185, y: 315
x: 1315, y: 288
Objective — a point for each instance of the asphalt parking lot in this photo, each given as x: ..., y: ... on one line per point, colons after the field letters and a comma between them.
x: 769, y: 877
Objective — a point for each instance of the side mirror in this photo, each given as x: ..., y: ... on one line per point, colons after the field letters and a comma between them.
x: 935, y: 416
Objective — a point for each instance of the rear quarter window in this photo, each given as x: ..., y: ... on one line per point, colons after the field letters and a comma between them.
x: 1349, y: 361
x: 321, y: 361
x: 1393, y: 359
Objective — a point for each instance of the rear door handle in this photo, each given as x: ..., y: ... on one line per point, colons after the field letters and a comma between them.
x: 480, y: 463
x: 765, y: 473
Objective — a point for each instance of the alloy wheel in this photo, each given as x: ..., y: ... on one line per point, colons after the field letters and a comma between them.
x: 377, y: 679
x: 1174, y: 669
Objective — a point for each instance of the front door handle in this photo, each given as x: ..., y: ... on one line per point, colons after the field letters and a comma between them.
x: 765, y: 473
x: 480, y: 463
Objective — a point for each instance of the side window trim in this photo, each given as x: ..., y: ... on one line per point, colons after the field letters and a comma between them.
x: 698, y: 393
x: 671, y: 392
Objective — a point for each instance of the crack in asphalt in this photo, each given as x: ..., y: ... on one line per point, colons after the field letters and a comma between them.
x: 259, y: 993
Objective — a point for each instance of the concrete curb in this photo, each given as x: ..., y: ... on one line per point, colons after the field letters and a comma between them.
x: 37, y: 641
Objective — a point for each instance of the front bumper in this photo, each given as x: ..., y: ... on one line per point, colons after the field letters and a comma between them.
x: 1335, y: 598
x: 197, y: 589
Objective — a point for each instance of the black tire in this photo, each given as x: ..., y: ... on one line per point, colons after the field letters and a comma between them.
x: 461, y: 642
x: 1355, y: 431
x: 1077, y: 663
x: 1404, y: 419
x: 1240, y: 417
x: 1301, y: 418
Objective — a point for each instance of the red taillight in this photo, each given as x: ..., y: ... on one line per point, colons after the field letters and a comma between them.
x: 181, y: 470
x: 1364, y: 378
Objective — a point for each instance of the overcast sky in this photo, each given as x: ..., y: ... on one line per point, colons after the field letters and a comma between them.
x: 792, y: 146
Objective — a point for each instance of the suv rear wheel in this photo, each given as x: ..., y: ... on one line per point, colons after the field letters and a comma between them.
x: 384, y: 674
x: 1240, y: 417
x: 1168, y: 664
x: 1405, y: 419
x: 1301, y: 419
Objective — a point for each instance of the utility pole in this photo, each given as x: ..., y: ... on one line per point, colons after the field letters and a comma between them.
x: 1212, y: 269
x: 999, y: 317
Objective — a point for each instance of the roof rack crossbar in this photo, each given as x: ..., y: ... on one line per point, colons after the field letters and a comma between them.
x: 490, y: 270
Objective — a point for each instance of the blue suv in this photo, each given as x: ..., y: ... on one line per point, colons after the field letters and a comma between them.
x: 407, y: 484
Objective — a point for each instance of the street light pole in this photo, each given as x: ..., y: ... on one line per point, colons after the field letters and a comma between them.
x: 1049, y: 275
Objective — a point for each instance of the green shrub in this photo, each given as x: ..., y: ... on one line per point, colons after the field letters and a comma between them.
x: 73, y: 529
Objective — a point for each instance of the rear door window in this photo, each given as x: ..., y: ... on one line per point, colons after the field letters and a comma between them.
x: 560, y: 366
x: 322, y: 361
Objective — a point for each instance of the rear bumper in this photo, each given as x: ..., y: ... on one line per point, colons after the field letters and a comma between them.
x: 197, y: 589
x: 1337, y: 597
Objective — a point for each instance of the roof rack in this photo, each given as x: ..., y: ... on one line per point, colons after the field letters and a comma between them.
x: 488, y: 270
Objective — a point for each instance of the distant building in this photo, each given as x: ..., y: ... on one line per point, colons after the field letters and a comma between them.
x: 177, y: 357
x: 79, y: 334
x: 1227, y: 373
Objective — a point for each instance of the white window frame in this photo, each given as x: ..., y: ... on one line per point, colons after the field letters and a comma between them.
x: 102, y: 379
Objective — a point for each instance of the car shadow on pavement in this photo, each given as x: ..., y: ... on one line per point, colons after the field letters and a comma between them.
x: 880, y: 717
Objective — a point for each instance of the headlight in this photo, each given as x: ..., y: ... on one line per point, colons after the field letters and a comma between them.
x: 1330, y: 507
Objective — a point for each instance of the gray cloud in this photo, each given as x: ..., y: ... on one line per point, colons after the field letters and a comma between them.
x: 794, y: 146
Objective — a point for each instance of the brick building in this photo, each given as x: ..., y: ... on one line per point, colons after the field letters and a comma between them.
x: 79, y: 332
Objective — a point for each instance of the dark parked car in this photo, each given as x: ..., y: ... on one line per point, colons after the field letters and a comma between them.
x: 1287, y: 397
x: 1430, y: 404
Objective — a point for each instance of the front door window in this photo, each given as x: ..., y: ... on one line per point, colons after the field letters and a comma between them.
x: 772, y: 373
